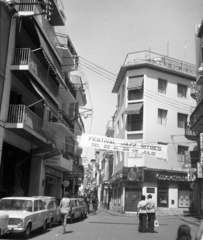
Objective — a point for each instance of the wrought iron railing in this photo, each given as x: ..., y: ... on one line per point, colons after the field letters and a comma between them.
x: 158, y: 59
x: 24, y: 56
x: 66, y: 120
x: 69, y: 84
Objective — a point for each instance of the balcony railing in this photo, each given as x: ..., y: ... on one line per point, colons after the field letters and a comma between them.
x: 66, y: 120
x: 158, y: 59
x: 22, y: 114
x: 24, y: 56
x: 190, y: 135
x: 69, y: 85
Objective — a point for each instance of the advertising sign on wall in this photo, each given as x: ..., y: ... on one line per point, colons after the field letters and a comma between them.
x: 199, y: 171
x: 122, y: 145
x: 191, y: 159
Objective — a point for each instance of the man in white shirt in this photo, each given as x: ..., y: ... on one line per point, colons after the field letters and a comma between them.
x: 151, y: 211
x: 142, y: 211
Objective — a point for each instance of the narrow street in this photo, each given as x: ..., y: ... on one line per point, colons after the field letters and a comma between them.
x: 105, y: 226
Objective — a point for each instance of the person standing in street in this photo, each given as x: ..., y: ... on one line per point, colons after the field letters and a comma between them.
x: 94, y: 203
x: 142, y: 212
x: 87, y: 201
x: 199, y: 235
x: 65, y: 208
x: 151, y: 213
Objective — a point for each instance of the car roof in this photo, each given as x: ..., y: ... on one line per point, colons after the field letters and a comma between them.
x: 19, y: 198
x: 45, y: 197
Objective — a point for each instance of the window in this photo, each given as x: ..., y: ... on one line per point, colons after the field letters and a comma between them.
x: 35, y: 206
x: 181, y: 153
x: 182, y: 119
x: 162, y: 200
x: 184, y: 198
x: 182, y: 91
x: 162, y: 86
x: 123, y: 91
x: 162, y: 116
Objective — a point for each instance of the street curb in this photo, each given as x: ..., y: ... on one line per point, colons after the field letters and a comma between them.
x: 188, y: 221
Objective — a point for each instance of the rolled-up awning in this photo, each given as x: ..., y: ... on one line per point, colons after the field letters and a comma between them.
x: 134, y: 108
x: 51, y: 59
x: 135, y: 82
x: 53, y: 107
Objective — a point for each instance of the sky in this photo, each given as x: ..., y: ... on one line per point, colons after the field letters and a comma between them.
x: 103, y: 32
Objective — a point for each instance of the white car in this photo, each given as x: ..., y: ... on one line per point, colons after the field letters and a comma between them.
x: 26, y: 214
x: 3, y: 222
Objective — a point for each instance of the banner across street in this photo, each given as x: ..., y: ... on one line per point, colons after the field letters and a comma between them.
x: 122, y: 145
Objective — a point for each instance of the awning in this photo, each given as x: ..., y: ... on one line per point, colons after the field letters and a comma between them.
x: 50, y: 105
x: 135, y: 82
x: 51, y: 59
x: 134, y: 108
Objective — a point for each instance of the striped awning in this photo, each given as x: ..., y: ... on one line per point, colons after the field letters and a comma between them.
x: 134, y: 108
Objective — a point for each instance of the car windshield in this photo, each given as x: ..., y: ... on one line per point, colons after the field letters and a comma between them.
x: 16, y: 205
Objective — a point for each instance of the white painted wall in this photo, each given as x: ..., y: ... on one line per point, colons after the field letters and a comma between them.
x: 173, y: 195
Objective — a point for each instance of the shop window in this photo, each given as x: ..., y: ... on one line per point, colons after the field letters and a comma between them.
x: 184, y: 198
x: 162, y: 200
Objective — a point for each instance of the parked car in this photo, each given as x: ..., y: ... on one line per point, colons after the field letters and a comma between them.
x: 3, y: 222
x: 26, y: 214
x: 84, y: 207
x: 77, y: 210
x: 51, y: 204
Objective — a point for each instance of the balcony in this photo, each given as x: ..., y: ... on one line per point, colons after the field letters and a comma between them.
x: 190, y: 135
x: 196, y: 118
x: 79, y: 86
x: 62, y: 124
x: 58, y: 16
x: 26, y: 124
x: 69, y: 93
x: 110, y: 129
x: 193, y: 92
x: 60, y: 162
x: 25, y: 60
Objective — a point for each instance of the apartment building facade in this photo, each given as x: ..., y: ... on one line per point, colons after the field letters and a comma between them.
x: 196, y: 117
x: 40, y: 118
x: 153, y: 105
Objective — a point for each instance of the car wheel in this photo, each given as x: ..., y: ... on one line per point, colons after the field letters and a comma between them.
x: 80, y: 218
x: 26, y: 233
x: 50, y: 223
x: 43, y: 228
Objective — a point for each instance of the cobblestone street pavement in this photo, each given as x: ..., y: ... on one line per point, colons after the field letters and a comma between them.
x: 105, y: 226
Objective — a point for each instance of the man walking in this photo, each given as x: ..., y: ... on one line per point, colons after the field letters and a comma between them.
x: 151, y: 213
x: 65, y: 208
x: 142, y: 212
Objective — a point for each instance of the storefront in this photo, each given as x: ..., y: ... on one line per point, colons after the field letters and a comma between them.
x: 170, y: 189
x: 126, y: 189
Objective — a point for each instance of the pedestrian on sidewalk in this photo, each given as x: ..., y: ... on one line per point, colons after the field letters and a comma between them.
x: 184, y: 233
x: 87, y: 201
x: 199, y: 235
x: 151, y: 213
x: 94, y: 203
x: 142, y: 212
x: 65, y: 209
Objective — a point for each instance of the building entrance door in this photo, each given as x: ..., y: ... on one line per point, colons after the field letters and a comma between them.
x: 132, y: 197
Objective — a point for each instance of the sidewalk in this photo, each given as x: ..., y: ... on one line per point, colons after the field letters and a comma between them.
x: 195, y: 220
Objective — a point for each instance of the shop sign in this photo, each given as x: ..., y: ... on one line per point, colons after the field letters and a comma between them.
x: 53, y: 161
x: 69, y: 175
x: 132, y: 175
x: 199, y: 171
x: 54, y: 172
x: 191, y: 158
x: 201, y: 149
x: 122, y: 145
x: 173, y: 178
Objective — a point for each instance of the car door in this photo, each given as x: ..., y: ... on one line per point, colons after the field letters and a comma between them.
x: 35, y: 219
x: 41, y: 213
x: 77, y: 206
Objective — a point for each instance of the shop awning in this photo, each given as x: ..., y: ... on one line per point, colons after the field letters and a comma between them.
x: 50, y: 105
x: 135, y: 82
x: 51, y: 59
x: 134, y: 108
